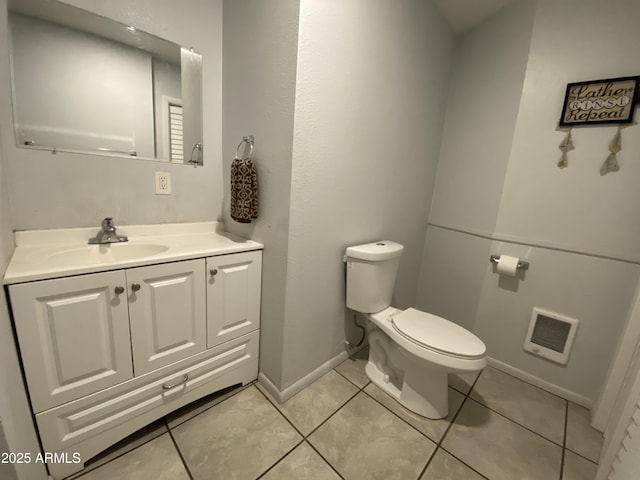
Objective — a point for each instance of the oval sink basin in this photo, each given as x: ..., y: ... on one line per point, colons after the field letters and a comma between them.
x: 108, y: 253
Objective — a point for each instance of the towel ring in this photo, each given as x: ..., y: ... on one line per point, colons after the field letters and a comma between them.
x: 249, y: 141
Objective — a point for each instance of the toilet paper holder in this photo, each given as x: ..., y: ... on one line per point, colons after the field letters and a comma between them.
x: 522, y: 265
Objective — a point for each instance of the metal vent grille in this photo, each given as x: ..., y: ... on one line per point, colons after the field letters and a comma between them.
x: 550, y: 333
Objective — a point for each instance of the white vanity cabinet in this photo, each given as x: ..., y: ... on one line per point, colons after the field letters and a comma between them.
x: 167, y: 308
x: 78, y: 335
x: 107, y: 353
x: 233, y: 296
x: 73, y: 334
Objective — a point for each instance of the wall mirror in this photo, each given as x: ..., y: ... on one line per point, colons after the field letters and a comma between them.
x: 87, y: 84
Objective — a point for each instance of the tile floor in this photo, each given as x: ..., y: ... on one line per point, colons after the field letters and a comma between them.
x: 342, y: 426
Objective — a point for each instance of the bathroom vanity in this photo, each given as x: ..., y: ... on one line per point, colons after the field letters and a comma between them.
x: 113, y: 337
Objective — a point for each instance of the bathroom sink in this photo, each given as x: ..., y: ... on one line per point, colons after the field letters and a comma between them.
x: 107, y: 253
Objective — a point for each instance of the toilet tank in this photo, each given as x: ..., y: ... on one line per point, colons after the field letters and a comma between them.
x: 371, y: 275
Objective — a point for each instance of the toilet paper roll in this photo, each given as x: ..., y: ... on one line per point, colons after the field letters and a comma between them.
x: 508, y: 265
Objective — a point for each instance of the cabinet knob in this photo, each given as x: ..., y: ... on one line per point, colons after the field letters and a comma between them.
x: 135, y: 287
x: 213, y: 272
x: 118, y: 290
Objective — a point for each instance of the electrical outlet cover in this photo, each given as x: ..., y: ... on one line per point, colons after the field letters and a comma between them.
x: 163, y: 183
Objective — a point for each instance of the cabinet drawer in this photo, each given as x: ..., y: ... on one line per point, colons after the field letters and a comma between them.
x: 74, y: 336
x: 107, y: 416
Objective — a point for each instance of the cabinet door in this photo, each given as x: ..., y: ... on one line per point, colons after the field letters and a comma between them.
x: 233, y: 296
x: 167, y: 313
x: 74, y: 336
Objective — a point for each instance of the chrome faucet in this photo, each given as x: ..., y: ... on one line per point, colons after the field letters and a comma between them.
x: 107, y: 234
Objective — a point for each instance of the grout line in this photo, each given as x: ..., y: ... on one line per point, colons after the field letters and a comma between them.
x: 475, y: 382
x: 124, y: 451
x: 397, y: 415
x: 528, y: 383
x: 305, y: 437
x: 281, y: 413
x: 459, y: 391
x: 513, y: 421
x: 453, y: 420
x: 337, y: 410
x: 175, y: 444
x: 439, y: 444
x: 464, y: 463
x: 429, y: 460
x: 467, y: 397
x: 280, y: 459
x: 582, y: 456
x: 233, y: 391
x: 564, y: 438
x: 351, y: 381
x: 422, y: 433
x: 322, y: 457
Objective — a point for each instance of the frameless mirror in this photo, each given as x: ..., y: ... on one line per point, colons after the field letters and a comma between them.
x: 84, y: 83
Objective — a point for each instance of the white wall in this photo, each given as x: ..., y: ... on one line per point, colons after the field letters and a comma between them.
x: 73, y: 190
x: 370, y: 101
x: 59, y: 70
x: 68, y: 190
x: 486, y: 85
x: 260, y: 52
x: 574, y: 208
x: 567, y: 223
x: 16, y: 422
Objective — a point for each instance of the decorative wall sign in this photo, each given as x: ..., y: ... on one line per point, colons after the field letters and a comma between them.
x: 600, y: 101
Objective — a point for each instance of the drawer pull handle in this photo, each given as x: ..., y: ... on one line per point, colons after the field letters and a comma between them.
x: 135, y: 287
x: 119, y: 290
x: 185, y: 378
x: 213, y: 272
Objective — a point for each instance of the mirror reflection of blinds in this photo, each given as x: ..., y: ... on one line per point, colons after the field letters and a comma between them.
x: 176, y: 135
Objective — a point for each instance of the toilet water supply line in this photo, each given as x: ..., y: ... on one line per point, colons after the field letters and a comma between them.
x: 364, y: 334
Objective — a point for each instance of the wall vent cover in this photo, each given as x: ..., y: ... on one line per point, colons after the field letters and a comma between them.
x: 550, y: 335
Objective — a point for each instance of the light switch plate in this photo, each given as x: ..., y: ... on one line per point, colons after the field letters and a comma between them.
x: 163, y: 183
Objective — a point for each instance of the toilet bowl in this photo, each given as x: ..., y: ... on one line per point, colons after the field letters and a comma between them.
x: 411, y: 353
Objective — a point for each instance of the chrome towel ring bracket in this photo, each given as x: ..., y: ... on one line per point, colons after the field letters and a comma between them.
x: 245, y: 140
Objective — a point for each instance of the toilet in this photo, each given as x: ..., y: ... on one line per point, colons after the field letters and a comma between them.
x: 411, y: 353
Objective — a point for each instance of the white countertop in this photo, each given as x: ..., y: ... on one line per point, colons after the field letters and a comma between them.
x: 43, y: 254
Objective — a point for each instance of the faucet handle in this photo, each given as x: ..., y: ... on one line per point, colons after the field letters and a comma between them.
x: 107, y: 234
x: 107, y: 224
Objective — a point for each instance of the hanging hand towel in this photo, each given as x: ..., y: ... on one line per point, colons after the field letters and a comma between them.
x: 244, y: 190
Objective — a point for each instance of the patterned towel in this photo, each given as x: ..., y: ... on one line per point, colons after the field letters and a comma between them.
x: 244, y: 190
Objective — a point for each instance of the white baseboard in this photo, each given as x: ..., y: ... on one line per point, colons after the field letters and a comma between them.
x: 291, y: 390
x: 538, y: 382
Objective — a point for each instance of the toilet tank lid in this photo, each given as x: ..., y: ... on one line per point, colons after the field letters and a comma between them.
x: 376, y: 251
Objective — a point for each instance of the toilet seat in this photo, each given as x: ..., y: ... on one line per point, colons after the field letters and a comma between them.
x: 437, y: 334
